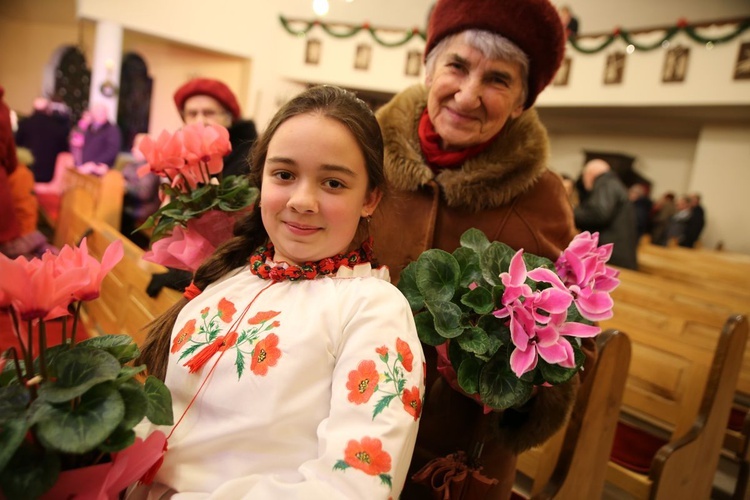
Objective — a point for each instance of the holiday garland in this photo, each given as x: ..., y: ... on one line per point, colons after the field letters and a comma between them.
x: 343, y: 30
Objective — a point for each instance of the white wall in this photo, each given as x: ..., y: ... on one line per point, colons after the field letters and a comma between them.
x: 721, y: 173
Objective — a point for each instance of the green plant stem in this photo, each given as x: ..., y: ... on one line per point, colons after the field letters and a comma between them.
x: 75, y: 324
x: 43, y: 349
x: 64, y: 329
x: 17, y: 331
x: 16, y: 364
x: 29, y: 352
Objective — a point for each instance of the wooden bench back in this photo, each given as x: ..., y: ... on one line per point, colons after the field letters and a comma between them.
x: 573, y: 463
x: 685, y: 355
x: 91, y: 197
x: 685, y: 468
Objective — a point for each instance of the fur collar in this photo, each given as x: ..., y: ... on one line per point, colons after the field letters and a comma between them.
x: 507, y: 168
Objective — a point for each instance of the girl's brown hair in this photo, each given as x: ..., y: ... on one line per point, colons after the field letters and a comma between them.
x: 249, y: 233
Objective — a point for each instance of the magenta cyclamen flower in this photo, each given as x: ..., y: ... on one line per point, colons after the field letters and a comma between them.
x: 537, y: 319
x: 582, y: 268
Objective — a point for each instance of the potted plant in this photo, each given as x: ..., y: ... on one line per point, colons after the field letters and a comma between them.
x: 201, y: 204
x: 504, y: 321
x: 68, y: 411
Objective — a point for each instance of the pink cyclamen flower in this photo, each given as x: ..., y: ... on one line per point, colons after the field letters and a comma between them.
x: 582, y: 268
x: 163, y: 156
x: 204, y: 148
x: 187, y: 248
x: 36, y: 289
x: 70, y: 258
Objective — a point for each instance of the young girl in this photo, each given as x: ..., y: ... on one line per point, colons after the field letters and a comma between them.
x: 296, y: 372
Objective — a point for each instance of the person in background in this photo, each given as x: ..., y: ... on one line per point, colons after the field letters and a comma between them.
x: 9, y: 226
x: 101, y: 142
x: 608, y: 211
x: 569, y: 21
x: 661, y: 214
x: 77, y: 137
x: 695, y: 221
x: 303, y: 324
x: 44, y: 134
x: 141, y: 195
x: 211, y: 101
x: 571, y: 190
x: 469, y: 151
x: 642, y: 205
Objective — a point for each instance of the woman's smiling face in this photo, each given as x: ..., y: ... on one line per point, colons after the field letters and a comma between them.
x: 315, y: 189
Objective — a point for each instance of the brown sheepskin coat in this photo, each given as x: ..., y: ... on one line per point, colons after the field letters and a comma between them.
x: 508, y: 192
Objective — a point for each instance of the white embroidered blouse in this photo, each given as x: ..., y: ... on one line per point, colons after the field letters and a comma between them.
x: 314, y: 392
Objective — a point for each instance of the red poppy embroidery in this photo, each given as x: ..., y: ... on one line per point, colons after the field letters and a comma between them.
x: 412, y: 402
x: 183, y: 335
x: 382, y: 350
x: 362, y: 382
x: 263, y: 316
x: 204, y: 312
x: 226, y: 310
x: 229, y: 340
x: 265, y: 354
x: 407, y: 358
x: 368, y: 456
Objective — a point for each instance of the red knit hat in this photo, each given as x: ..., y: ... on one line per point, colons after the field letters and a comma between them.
x: 533, y: 25
x: 211, y: 88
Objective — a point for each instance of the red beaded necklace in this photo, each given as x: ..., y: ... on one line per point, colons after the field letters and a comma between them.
x: 309, y: 270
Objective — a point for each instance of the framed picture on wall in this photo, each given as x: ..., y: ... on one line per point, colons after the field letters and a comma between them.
x: 615, y: 68
x: 362, y: 57
x: 312, y: 51
x: 561, y: 77
x: 413, y: 63
x: 675, y: 64
x: 742, y: 68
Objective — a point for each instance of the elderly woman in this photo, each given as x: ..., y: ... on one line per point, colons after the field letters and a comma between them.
x: 467, y: 150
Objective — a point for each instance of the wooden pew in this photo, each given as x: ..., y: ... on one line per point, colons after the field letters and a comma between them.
x: 91, y: 197
x: 123, y: 306
x: 573, y: 463
x: 682, y: 379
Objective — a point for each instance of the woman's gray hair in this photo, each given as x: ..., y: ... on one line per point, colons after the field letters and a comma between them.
x: 492, y: 46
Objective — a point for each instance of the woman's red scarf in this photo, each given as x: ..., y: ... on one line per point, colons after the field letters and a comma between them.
x: 436, y: 157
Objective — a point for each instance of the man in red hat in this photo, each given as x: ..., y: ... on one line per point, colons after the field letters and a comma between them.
x: 211, y: 101
x: 467, y: 150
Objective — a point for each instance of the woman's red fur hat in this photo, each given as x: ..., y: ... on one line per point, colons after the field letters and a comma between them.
x: 209, y: 87
x: 533, y: 25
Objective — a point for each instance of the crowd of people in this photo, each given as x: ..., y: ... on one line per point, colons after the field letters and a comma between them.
x: 296, y: 314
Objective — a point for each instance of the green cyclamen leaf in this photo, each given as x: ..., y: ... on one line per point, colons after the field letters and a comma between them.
x: 12, y: 433
x: 468, y: 260
x: 117, y: 441
x: 136, y: 404
x: 30, y: 473
x: 78, y: 370
x: 499, y: 387
x: 479, y: 299
x: 475, y: 239
x: 426, y: 329
x: 438, y: 274
x: 468, y: 374
x: 121, y: 347
x: 81, y: 428
x: 494, y: 260
x: 159, y: 409
x: 407, y: 283
x: 474, y: 340
x: 447, y: 318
